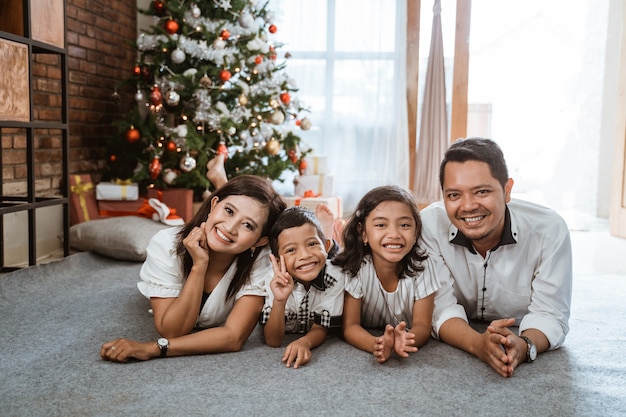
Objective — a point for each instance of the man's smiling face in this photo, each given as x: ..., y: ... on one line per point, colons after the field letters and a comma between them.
x: 475, y: 202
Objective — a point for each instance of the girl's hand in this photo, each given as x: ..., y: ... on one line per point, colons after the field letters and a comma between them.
x: 384, y: 345
x: 196, y: 245
x: 404, y: 341
x: 282, y: 283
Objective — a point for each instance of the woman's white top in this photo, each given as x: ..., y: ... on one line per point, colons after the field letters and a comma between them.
x: 162, y: 277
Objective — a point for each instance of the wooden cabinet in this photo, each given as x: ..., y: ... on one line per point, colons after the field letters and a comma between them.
x: 33, y: 114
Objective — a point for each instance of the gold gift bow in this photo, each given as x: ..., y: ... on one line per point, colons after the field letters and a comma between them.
x: 123, y: 184
x: 81, y: 189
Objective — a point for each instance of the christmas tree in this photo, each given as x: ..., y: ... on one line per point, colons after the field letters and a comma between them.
x: 208, y: 82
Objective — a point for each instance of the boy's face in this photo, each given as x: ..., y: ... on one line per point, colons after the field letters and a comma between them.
x: 304, y: 252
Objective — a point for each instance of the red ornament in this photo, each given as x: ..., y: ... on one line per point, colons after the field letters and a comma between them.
x: 298, y: 122
x: 258, y: 60
x: 159, y: 6
x: 285, y: 98
x: 112, y: 157
x: 171, y: 146
x: 292, y: 156
x: 302, y: 167
x: 171, y: 26
x: 225, y: 34
x: 273, y: 57
x: 273, y: 28
x: 137, y: 70
x: 222, y: 150
x: 225, y: 75
x: 155, y: 168
x: 133, y: 135
x: 155, y: 96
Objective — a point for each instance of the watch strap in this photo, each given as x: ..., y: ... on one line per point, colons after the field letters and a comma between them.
x: 529, y: 344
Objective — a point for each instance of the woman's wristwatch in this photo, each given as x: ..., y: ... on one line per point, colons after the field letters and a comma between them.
x: 163, y: 344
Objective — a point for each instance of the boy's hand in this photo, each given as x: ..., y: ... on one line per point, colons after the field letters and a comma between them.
x: 297, y: 353
x: 404, y: 342
x: 282, y: 283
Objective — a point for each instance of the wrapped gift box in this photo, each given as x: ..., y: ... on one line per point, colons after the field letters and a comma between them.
x: 319, y: 185
x: 180, y: 199
x: 316, y: 165
x: 333, y: 203
x: 108, y: 208
x: 113, y: 191
x: 83, y: 204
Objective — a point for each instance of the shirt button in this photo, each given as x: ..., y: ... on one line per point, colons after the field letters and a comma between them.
x: 484, y: 289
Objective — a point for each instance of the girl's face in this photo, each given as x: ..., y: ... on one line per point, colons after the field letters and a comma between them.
x: 390, y: 231
x: 235, y: 224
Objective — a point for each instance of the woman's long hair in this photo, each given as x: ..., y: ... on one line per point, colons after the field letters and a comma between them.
x: 251, y: 186
x: 355, y: 250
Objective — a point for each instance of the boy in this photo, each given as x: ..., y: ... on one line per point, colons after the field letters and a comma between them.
x: 301, y: 297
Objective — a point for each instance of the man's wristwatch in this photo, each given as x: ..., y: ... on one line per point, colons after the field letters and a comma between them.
x: 531, y: 353
x: 163, y: 344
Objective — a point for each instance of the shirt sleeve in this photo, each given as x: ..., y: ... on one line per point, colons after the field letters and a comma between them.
x: 551, y: 290
x: 446, y: 304
x: 161, y: 274
x: 427, y: 282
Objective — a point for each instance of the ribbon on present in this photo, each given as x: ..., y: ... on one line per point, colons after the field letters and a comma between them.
x: 81, y: 190
x: 123, y: 184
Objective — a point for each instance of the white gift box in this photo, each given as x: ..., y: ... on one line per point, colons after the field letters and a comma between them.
x: 318, y: 185
x: 117, y: 192
x: 333, y: 203
x: 315, y: 165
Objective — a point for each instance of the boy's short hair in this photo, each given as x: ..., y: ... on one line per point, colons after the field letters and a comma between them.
x: 293, y: 217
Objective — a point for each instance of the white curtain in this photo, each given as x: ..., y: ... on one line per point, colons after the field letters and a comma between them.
x: 348, y: 60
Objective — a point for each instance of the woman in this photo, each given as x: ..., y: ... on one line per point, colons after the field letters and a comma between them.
x: 205, y: 280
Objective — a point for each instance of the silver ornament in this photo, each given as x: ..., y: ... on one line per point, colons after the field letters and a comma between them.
x: 195, y: 11
x: 187, y: 163
x: 178, y: 56
x: 172, y: 98
x: 139, y: 96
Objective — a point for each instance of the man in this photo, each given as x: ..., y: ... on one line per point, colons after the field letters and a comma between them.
x: 498, y: 259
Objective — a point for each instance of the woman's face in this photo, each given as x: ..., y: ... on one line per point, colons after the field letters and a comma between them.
x: 235, y: 224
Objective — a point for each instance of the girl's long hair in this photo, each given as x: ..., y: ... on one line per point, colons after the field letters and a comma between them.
x: 251, y: 186
x: 354, y: 249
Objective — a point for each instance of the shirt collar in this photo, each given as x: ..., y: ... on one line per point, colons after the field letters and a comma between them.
x: 507, y: 238
x: 319, y: 281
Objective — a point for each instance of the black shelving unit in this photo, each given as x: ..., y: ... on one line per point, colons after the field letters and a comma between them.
x: 30, y: 202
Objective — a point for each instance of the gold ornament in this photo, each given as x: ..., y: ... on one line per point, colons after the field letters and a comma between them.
x: 205, y: 81
x: 243, y: 100
x: 272, y: 147
x: 277, y: 118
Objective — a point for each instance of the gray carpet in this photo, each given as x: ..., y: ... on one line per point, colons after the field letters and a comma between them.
x: 54, y: 318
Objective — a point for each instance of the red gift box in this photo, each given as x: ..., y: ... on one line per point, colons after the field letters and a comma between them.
x: 83, y: 205
x: 179, y: 198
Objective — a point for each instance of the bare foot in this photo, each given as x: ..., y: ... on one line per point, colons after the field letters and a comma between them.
x: 384, y: 345
x: 215, y: 171
x: 326, y: 218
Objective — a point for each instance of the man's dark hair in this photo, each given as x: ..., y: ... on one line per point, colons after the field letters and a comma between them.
x: 477, y: 149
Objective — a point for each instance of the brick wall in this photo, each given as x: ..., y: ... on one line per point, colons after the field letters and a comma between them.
x: 98, y: 57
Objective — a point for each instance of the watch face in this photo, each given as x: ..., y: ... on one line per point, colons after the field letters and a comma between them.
x: 163, y: 342
x: 533, y: 352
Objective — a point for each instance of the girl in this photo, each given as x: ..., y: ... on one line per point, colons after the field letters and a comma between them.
x: 387, y: 284
x: 208, y: 275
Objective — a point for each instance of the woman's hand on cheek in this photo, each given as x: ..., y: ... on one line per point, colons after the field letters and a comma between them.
x: 197, y: 246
